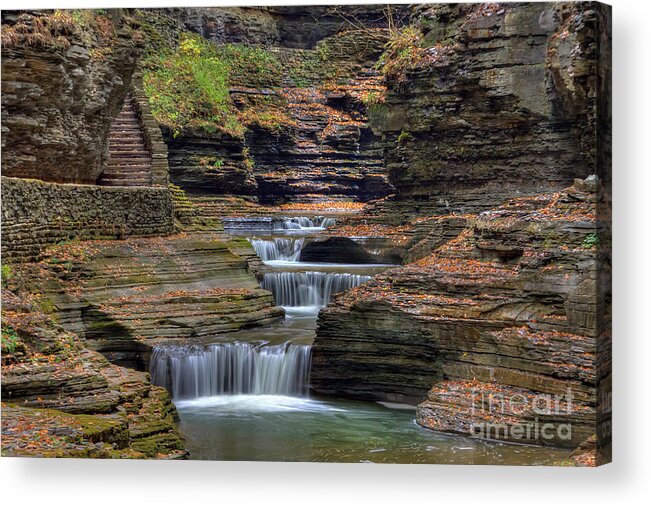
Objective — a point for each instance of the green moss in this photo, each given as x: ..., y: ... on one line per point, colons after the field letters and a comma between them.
x: 103, y: 429
x: 239, y: 242
x: 46, y: 305
x: 590, y: 241
x: 7, y: 275
x: 404, y: 137
x: 313, y: 67
x: 160, y: 443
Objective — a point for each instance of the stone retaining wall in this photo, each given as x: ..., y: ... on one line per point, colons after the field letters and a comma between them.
x: 36, y: 214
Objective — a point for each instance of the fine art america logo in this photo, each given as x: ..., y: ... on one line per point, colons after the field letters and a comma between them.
x: 520, y: 417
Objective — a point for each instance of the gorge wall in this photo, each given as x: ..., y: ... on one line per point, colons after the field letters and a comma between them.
x: 496, y: 100
x: 64, y: 78
x: 301, y: 124
x: 506, y: 308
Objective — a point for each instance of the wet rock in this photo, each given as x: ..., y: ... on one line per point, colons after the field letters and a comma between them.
x: 121, y: 296
x: 68, y: 401
x: 469, y: 319
x: 337, y: 250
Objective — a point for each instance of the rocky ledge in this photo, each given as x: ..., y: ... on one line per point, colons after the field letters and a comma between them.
x: 123, y: 296
x: 63, y: 400
x: 506, y: 310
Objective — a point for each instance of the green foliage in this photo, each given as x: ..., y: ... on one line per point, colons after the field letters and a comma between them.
x: 404, y: 137
x: 211, y: 162
x: 250, y: 66
x: 190, y: 86
x: 248, y: 161
x: 7, y: 274
x: 401, y: 53
x: 10, y: 339
x: 373, y: 98
x: 590, y: 241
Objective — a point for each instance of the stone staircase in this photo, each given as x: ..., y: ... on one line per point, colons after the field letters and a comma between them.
x: 129, y: 162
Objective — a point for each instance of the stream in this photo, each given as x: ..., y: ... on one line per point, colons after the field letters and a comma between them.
x: 249, y: 398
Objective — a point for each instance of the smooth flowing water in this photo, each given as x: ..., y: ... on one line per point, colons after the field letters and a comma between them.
x: 248, y: 399
x: 278, y: 428
x: 190, y: 372
x: 278, y: 248
x: 309, y: 289
x: 302, y: 223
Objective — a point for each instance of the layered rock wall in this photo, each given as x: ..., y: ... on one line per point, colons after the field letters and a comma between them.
x: 500, y: 103
x: 300, y: 27
x: 122, y: 297
x: 63, y: 81
x: 82, y: 405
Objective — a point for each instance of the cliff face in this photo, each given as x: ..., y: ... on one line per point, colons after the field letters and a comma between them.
x: 63, y: 81
x: 292, y: 125
x: 507, y: 308
x: 500, y: 102
x: 300, y: 27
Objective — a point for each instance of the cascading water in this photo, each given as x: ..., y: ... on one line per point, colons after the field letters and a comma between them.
x: 279, y: 248
x: 309, y: 289
x: 302, y: 222
x: 189, y: 372
x: 268, y: 224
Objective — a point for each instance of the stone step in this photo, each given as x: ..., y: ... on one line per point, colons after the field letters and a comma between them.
x: 127, y: 169
x: 125, y: 183
x: 126, y: 157
x: 128, y: 148
x: 126, y: 121
x: 129, y: 162
x: 139, y: 155
x: 125, y: 176
x: 123, y: 129
x: 126, y: 140
x: 125, y: 124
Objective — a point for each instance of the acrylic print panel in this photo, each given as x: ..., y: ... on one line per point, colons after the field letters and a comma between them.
x: 375, y: 233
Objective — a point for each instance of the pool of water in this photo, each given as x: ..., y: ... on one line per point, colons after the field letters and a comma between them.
x: 278, y: 428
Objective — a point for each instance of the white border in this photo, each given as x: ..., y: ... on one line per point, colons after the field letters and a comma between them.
x: 84, y: 482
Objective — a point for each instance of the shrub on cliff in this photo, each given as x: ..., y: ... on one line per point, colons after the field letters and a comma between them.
x: 407, y: 50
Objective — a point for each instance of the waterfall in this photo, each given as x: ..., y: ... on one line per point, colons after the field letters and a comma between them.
x: 315, y: 289
x: 189, y: 372
x: 279, y: 248
x: 302, y: 222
